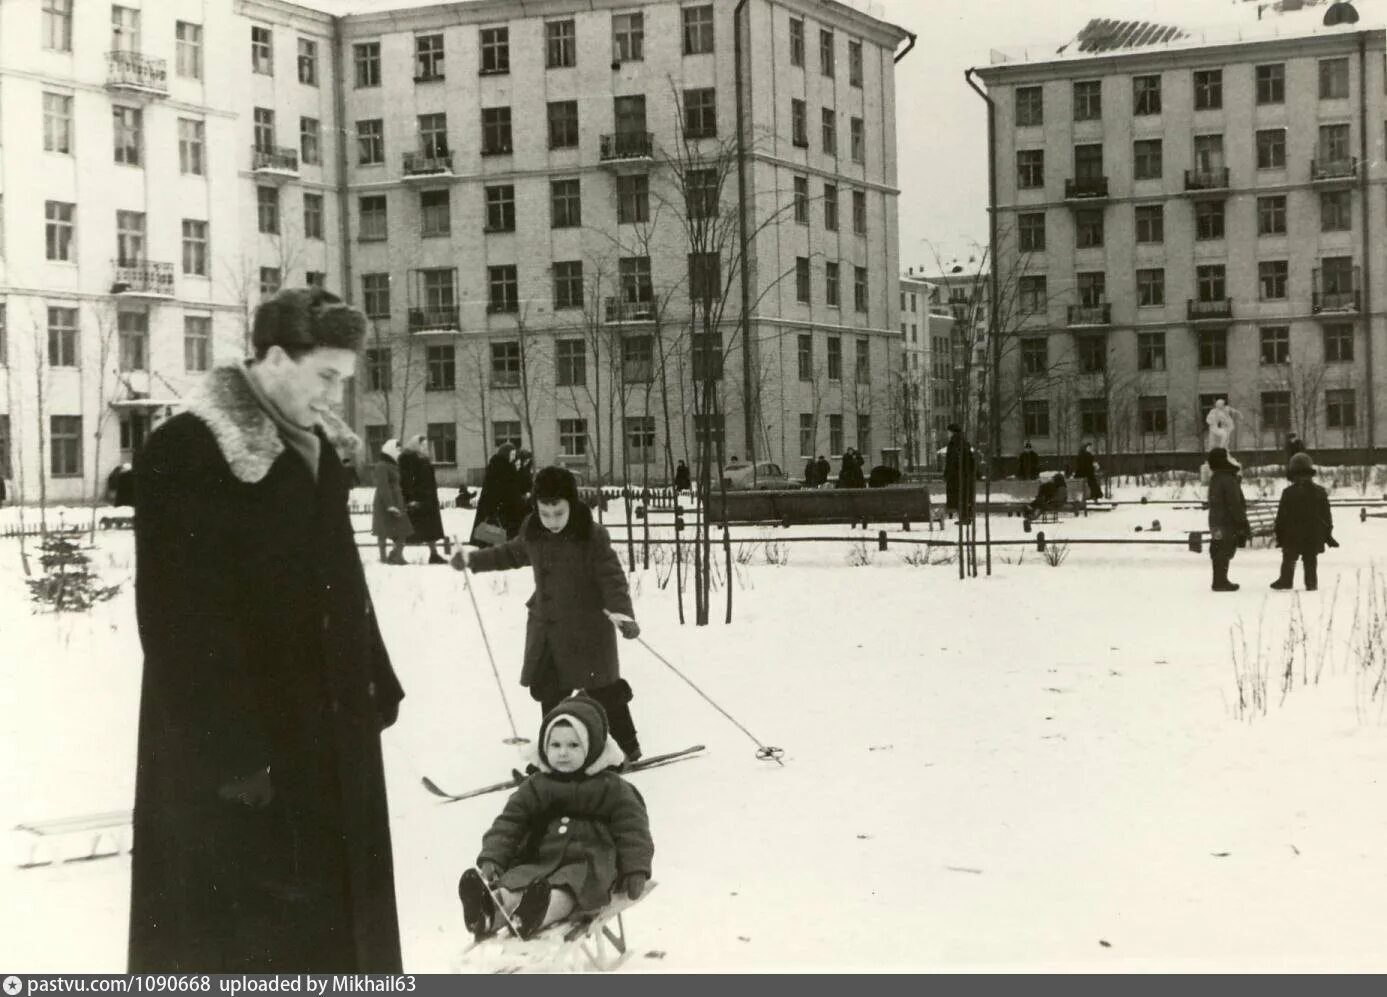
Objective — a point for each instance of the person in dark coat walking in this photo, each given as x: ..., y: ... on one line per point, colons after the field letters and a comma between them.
x: 682, y: 481
x: 850, y: 470
x: 573, y: 832
x: 811, y: 473
x: 498, y: 494
x: 389, y: 520
x: 1086, y: 469
x: 1304, y: 524
x: 420, y: 488
x: 1228, y: 526
x: 569, y: 641
x: 1028, y: 464
x: 960, y: 473
x: 1293, y: 445
x: 823, y: 470
x: 261, y: 826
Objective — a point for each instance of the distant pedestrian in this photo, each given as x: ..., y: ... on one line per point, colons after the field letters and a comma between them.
x: 682, y: 482
x: 420, y: 488
x: 1086, y: 469
x: 1293, y: 445
x: 960, y: 473
x: 822, y: 470
x: 497, y: 497
x: 1028, y: 464
x: 1304, y: 524
x: 1228, y: 526
x: 389, y: 520
x: 850, y: 470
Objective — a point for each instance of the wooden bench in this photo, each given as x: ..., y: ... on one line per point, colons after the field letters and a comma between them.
x: 91, y: 831
x: 904, y: 504
x: 1261, y: 521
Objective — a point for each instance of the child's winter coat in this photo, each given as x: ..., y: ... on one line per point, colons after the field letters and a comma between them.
x: 1304, y: 522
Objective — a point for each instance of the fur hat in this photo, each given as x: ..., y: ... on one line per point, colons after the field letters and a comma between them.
x: 1219, y: 460
x: 553, y: 483
x: 307, y: 318
x: 589, y: 720
x: 1300, y: 466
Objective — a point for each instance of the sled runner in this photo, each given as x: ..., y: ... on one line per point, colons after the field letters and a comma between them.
x: 648, y: 762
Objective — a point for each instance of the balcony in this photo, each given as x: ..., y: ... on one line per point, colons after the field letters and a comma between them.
x: 423, y: 166
x: 434, y: 320
x: 1091, y: 315
x: 628, y: 152
x: 1213, y: 180
x: 276, y: 162
x: 142, y: 280
x: 1220, y: 310
x: 1338, y: 292
x: 1086, y: 189
x: 133, y: 73
x: 619, y: 310
x: 1333, y: 171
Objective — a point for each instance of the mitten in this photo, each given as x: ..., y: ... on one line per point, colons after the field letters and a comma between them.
x: 459, y: 560
x: 630, y: 629
x: 491, y: 872
x: 634, y: 884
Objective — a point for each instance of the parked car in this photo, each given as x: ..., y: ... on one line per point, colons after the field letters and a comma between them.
x: 767, y: 476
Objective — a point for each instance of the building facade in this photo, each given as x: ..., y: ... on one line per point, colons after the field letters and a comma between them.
x: 928, y: 331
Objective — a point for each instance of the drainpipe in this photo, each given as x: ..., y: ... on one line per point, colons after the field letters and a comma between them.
x: 1367, y: 242
x: 994, y: 344
x: 906, y: 52
x: 750, y: 408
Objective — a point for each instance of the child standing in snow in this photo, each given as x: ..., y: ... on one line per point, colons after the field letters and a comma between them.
x: 1304, y: 524
x: 569, y: 641
x: 571, y: 833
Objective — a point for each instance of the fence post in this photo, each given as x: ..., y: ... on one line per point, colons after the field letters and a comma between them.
x: 905, y: 524
x: 881, y: 539
x: 1040, y: 542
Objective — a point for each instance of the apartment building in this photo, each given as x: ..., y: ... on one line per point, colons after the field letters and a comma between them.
x: 1193, y: 218
x: 928, y: 329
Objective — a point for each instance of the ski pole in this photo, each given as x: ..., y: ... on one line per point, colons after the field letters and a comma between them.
x: 763, y: 752
x: 515, y: 737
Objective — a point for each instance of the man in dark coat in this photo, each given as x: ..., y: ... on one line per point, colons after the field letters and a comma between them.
x: 1304, y: 524
x: 420, y: 487
x: 261, y: 826
x: 1294, y: 445
x: 1028, y: 464
x: 498, y: 494
x: 822, y: 470
x: 810, y: 473
x: 1086, y: 469
x: 850, y: 470
x: 682, y: 481
x: 960, y: 473
x: 1228, y: 526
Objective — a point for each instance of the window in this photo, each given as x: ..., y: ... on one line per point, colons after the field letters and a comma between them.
x: 59, y: 230
x: 1271, y: 215
x: 1150, y: 288
x: 1030, y: 168
x: 799, y: 124
x: 188, y: 50
x: 1035, y: 417
x: 801, y: 202
x: 1213, y: 348
x: 500, y: 208
x: 831, y: 287
x: 1338, y: 343
x: 560, y: 44
x: 440, y: 368
x: 65, y: 442
x: 57, y: 123
x: 825, y: 52
x: 835, y: 435
x: 133, y: 331
x: 1150, y: 219
x: 859, y: 288
x: 1334, y: 144
x: 829, y: 119
x: 1208, y: 89
x: 1092, y: 352
x: 701, y: 193
x: 1208, y: 220
x: 503, y: 290
x: 505, y: 366
x: 271, y: 280
x: 130, y: 230
x: 1276, y: 344
x: 1147, y: 160
x: 366, y: 57
x: 370, y: 142
x: 57, y: 25
x: 570, y: 363
x: 1035, y: 355
x: 433, y: 135
x: 634, y: 275
x: 308, y: 62
x: 700, y: 112
x: 1088, y: 228
x: 264, y: 132
x: 859, y: 212
x: 1210, y: 282
x: 1340, y: 410
x: 1088, y: 161
x: 195, y: 247
x: 1151, y: 413
x: 568, y: 284
x: 854, y: 63
x: 563, y: 124
x: 62, y: 337
x: 375, y: 295
x: 428, y: 58
x: 1271, y: 149
x: 1031, y: 232
x: 1271, y: 84
x: 632, y: 199
x: 495, y: 45
x: 1031, y: 294
x: 1271, y: 279
x: 496, y: 136
x: 373, y: 220
x: 1151, y: 351
x: 1276, y: 410
x: 310, y: 141
x: 805, y: 356
x: 638, y: 359
x: 197, y: 342
x: 443, y: 441
x: 435, y: 213
x: 705, y: 277
x: 857, y: 140
x: 807, y: 436
x: 565, y: 204
x: 1208, y: 153
x: 129, y: 125
x: 1092, y: 288
x: 1333, y: 79
x: 862, y: 370
x: 698, y: 29
x: 797, y: 41
x: 628, y: 37
x: 1088, y: 100
x: 1146, y: 95
x: 315, y: 278
x: 1093, y: 417
x: 705, y: 362
x: 864, y: 433
x: 835, y: 358
x: 507, y: 431
x: 262, y: 53
x: 640, y: 439
x: 1030, y: 107
x: 267, y: 209
x: 802, y: 279
x: 573, y: 437
x: 1335, y: 213
x: 831, y: 207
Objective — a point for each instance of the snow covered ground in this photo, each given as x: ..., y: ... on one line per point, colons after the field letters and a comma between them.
x: 1045, y: 769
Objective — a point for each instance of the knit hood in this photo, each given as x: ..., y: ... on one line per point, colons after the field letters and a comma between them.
x: 590, y: 720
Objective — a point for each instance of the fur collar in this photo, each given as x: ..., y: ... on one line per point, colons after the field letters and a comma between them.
x: 579, y: 525
x: 247, y: 436
x: 611, y: 757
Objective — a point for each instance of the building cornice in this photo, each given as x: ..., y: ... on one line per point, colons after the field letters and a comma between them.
x: 843, y: 178
x: 1179, y: 195
x: 70, y: 84
x: 283, y: 14
x: 67, y: 294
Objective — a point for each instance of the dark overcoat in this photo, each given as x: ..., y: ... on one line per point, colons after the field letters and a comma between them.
x: 389, y: 495
x: 498, y: 499
x: 1304, y: 520
x: 577, y: 576
x: 1227, y: 507
x: 261, y: 651
x: 420, y: 488
x: 960, y: 472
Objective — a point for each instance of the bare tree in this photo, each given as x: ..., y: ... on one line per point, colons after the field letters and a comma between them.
x: 399, y: 377
x: 107, y: 328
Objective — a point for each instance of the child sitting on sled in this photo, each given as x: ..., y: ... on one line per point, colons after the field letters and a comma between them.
x: 574, y: 831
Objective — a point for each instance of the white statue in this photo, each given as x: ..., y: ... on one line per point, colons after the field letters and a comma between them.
x: 1222, y: 423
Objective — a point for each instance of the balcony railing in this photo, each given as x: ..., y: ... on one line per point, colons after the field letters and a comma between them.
x: 621, y: 310
x: 1333, y: 169
x: 627, y: 145
x: 1083, y: 188
x: 1211, y: 179
x: 421, y: 164
x: 144, y: 279
x: 133, y: 71
x: 1220, y: 310
x: 1100, y: 314
x: 433, y: 320
x: 274, y: 159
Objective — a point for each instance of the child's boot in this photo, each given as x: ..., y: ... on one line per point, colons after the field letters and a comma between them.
x: 528, y: 916
x: 478, y: 909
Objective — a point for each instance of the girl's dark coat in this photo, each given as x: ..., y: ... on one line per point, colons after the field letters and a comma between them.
x: 1303, y: 518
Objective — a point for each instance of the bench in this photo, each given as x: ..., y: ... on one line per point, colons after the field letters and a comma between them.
x: 902, y: 504
x: 1261, y: 521
x: 91, y: 830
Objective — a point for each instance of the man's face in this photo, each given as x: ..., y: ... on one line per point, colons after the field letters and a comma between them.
x: 306, y: 388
